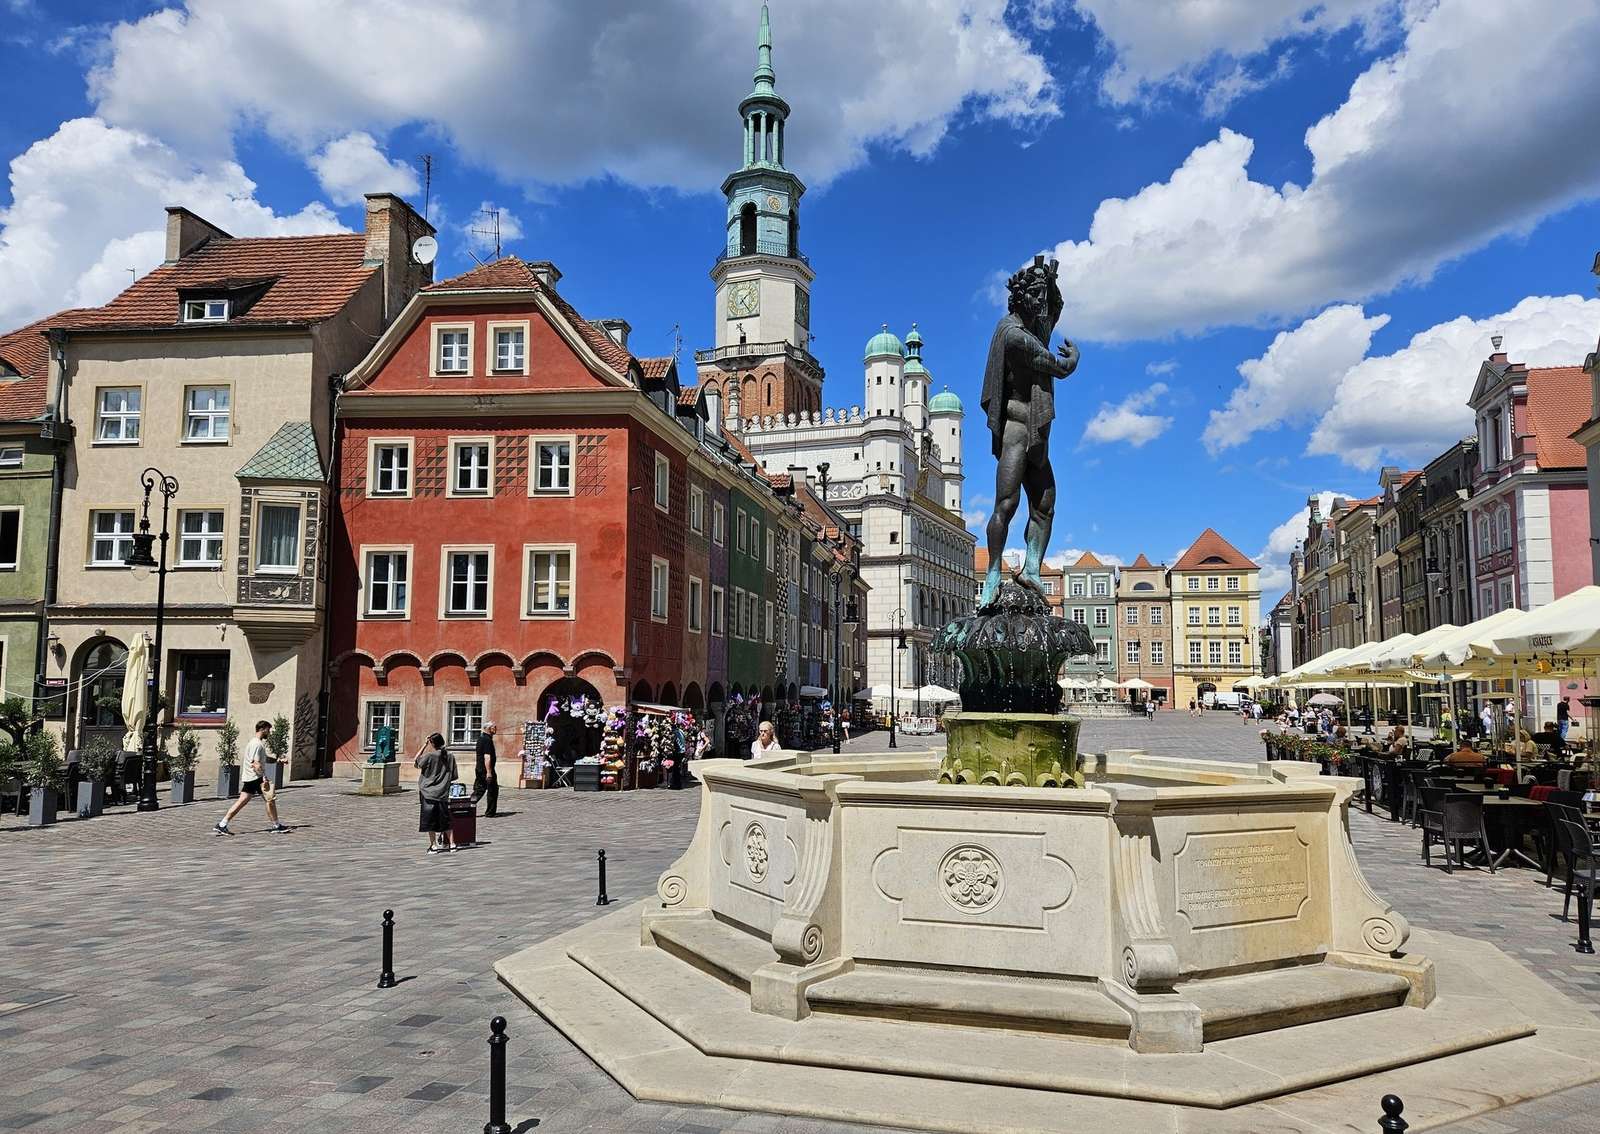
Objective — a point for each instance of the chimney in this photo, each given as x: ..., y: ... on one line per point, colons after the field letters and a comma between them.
x: 617, y: 330
x: 392, y: 228
x: 186, y: 232
x: 547, y: 273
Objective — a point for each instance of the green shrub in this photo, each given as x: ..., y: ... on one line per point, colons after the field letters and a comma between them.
x: 278, y: 738
x: 188, y: 751
x: 42, y: 763
x: 102, y: 760
x: 228, y: 744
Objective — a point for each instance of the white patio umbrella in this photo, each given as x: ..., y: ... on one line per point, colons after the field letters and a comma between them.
x: 1136, y: 683
x: 1104, y: 682
x: 938, y: 694
x: 1070, y: 683
x: 1451, y: 653
x: 136, y: 693
x: 1328, y: 699
x: 1569, y: 625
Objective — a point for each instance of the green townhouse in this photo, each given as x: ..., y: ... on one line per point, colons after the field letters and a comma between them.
x: 30, y: 439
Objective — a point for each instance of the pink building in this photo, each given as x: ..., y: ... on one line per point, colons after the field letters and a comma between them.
x: 1529, y: 512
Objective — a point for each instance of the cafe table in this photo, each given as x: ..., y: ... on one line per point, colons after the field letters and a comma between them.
x: 1514, y: 815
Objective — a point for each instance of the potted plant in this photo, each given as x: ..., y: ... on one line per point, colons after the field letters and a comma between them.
x: 100, y: 761
x: 278, y: 746
x: 228, y: 760
x: 46, y: 777
x: 183, y: 765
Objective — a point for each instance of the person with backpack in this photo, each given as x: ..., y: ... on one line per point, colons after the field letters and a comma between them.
x: 436, y: 769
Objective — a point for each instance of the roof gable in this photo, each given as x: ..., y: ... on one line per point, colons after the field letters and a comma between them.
x: 1211, y: 552
x: 289, y: 454
x: 1141, y: 564
x: 1558, y: 403
x: 27, y: 352
x: 1087, y: 559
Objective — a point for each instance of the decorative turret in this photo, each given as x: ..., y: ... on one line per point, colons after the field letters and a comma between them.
x: 915, y: 382
x: 763, y: 111
x: 885, y: 360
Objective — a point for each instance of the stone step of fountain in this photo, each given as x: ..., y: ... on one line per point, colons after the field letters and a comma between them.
x: 716, y: 948
x: 1246, y: 1004
x: 973, y: 999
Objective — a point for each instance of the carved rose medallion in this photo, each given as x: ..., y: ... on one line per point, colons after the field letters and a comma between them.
x: 970, y: 876
x: 755, y: 850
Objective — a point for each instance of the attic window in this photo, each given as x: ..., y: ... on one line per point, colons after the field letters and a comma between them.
x: 205, y: 310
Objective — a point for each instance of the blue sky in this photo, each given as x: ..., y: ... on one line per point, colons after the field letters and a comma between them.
x: 1344, y: 199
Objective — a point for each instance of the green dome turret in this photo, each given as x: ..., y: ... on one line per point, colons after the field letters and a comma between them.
x: 885, y: 342
x: 914, y: 367
x: 944, y: 401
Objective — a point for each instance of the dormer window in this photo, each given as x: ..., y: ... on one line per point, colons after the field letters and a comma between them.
x: 205, y: 310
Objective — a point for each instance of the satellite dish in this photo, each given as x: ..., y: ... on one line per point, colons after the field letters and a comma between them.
x: 424, y: 250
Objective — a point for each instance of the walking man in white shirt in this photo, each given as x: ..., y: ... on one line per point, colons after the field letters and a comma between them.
x: 251, y: 784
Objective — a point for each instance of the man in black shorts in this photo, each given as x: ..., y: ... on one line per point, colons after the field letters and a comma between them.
x: 250, y: 783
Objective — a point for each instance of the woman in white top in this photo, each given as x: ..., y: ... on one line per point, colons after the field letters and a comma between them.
x: 764, y: 742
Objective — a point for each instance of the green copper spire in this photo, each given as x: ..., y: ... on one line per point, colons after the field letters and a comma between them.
x: 764, y: 74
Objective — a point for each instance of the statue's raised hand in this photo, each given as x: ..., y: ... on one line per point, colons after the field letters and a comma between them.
x: 1068, y: 354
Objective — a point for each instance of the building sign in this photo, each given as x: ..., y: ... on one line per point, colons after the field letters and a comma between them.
x: 1239, y: 877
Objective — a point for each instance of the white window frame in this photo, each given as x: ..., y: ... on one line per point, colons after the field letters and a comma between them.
x: 719, y: 599
x: 375, y: 469
x: 1101, y: 588
x: 117, y: 537
x: 1194, y: 651
x: 367, y: 744
x: 1213, y: 651
x: 472, y: 731
x: 1233, y: 582
x: 1156, y: 616
x: 1133, y: 651
x: 435, y: 342
x: 1213, y: 616
x: 660, y: 588
x: 770, y: 535
x: 1080, y: 615
x: 206, y: 310
x: 1235, y: 616
x: 210, y: 416
x: 368, y: 553
x: 1102, y: 650
x: 530, y: 578
x: 1130, y: 616
x: 663, y: 484
x: 7, y: 461
x: 1102, y: 617
x: 17, y: 552
x: 766, y: 621
x: 1235, y: 652
x: 719, y: 523
x: 697, y: 509
x: 299, y: 536
x: 123, y: 416
x: 220, y: 536
x: 492, y: 358
x: 694, y: 598
x: 741, y: 533
x: 452, y: 489
x: 1213, y: 583
x: 536, y: 444
x: 1158, y: 652
x: 1077, y: 588
x: 1193, y: 583
x: 447, y: 577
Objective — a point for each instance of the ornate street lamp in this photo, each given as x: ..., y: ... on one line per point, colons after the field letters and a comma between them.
x: 143, y: 555
x: 894, y: 680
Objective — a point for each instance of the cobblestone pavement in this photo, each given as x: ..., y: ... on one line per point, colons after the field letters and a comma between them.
x: 156, y: 977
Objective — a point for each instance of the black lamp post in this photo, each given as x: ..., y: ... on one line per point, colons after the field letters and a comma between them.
x: 142, y: 556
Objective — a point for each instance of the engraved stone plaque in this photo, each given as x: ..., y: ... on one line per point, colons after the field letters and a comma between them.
x: 259, y: 692
x: 1238, y: 877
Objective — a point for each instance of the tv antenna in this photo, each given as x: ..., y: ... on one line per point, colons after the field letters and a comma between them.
x: 677, y: 342
x: 489, y: 230
x: 427, y: 183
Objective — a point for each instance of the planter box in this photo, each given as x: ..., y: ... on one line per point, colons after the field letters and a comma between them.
x: 42, y: 807
x: 91, y: 798
x: 273, y: 771
x: 227, y: 781
x: 183, y: 788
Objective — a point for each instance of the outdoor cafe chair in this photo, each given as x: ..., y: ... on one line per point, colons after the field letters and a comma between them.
x: 1583, y: 873
x: 1411, y: 794
x: 1453, y: 819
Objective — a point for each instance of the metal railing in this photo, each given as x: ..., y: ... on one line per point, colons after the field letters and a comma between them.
x: 766, y: 248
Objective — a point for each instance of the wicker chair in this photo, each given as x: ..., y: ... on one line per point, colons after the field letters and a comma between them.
x: 1452, y: 819
x: 1583, y: 872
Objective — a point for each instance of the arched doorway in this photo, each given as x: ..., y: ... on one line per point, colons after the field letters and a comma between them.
x: 692, y: 700
x: 1202, y: 689
x: 669, y: 694
x: 642, y: 692
x: 570, y: 738
x: 98, y: 674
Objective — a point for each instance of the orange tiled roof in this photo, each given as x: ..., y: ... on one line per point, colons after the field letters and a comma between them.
x: 690, y: 396
x: 1210, y: 552
x: 1088, y: 559
x: 656, y: 367
x: 27, y: 351
x: 512, y: 273
x: 1141, y: 563
x: 1558, y: 403
x: 980, y: 560
x: 307, y: 279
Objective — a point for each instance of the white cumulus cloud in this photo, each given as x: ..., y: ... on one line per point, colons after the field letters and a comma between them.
x: 352, y: 166
x: 1282, y: 540
x: 1392, y: 193
x: 1295, y: 379
x: 1411, y: 405
x: 88, y: 214
x: 1129, y: 420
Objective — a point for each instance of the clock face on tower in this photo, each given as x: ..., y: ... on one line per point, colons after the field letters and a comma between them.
x: 802, y: 307
x: 744, y: 299
x: 773, y: 204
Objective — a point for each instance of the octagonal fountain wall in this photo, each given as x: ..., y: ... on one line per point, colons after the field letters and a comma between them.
x: 1158, y: 874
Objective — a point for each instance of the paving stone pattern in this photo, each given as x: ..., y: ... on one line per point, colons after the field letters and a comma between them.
x: 156, y: 977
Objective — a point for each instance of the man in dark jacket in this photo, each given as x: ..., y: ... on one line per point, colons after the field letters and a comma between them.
x: 483, y: 779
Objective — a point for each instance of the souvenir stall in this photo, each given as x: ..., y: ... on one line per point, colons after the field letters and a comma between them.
x: 741, y: 718
x: 643, y: 746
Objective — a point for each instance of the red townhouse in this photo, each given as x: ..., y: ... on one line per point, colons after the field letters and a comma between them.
x: 513, y: 509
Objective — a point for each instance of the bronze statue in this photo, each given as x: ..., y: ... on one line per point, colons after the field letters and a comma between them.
x: 1020, y: 402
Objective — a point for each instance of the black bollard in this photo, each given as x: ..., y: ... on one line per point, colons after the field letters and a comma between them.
x: 497, y: 1123
x: 386, y: 978
x: 602, y: 900
x: 1392, y: 1123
